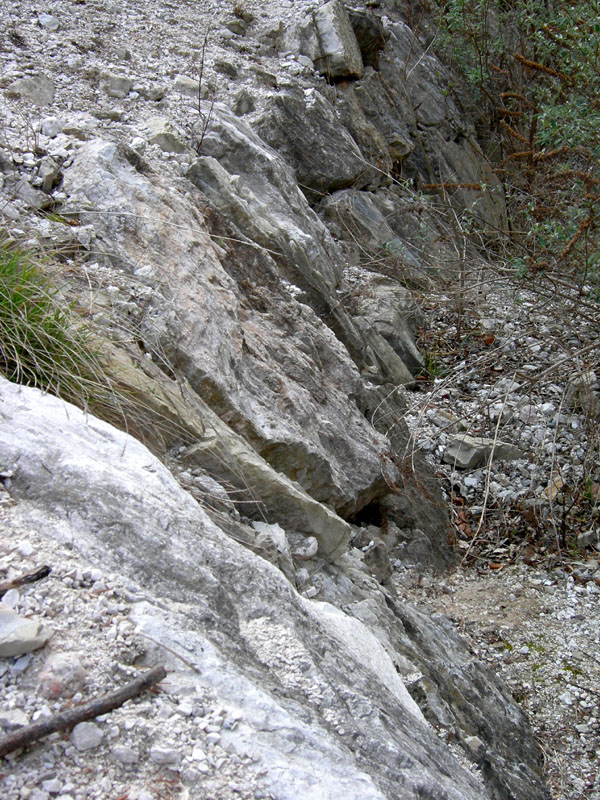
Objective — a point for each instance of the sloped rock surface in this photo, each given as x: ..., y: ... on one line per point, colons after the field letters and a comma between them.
x: 274, y: 373
x: 299, y: 123
x: 266, y: 343
x: 339, y: 55
x: 19, y: 635
x: 320, y: 705
x: 447, y: 151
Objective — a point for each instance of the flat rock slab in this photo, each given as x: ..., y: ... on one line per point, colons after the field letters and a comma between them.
x: 37, y: 89
x: 470, y: 452
x: 19, y: 635
x: 340, y: 54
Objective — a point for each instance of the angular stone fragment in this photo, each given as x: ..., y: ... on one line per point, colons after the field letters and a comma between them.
x: 13, y: 718
x: 51, y: 127
x: 274, y: 540
x: 470, y: 452
x: 154, y: 93
x: 62, y: 675
x: 50, y: 173
x: 19, y: 635
x: 19, y: 188
x: 377, y: 559
x: 340, y: 55
x: 36, y: 89
x: 49, y: 22
x: 187, y: 86
x: 116, y: 85
x: 125, y: 754
x: 86, y: 736
x: 167, y: 756
x: 162, y: 134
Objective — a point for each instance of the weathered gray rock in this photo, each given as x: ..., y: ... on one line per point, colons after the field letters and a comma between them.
x: 229, y: 458
x: 446, y: 150
x: 240, y: 356
x: 339, y: 55
x: 371, y: 35
x: 16, y: 187
x: 185, y: 85
x: 378, y: 114
x: 259, y: 490
x: 166, y: 756
x: 274, y: 541
x: 299, y: 123
x: 403, y: 118
x: 19, y: 635
x: 247, y: 183
x: 12, y: 719
x: 51, y: 127
x: 37, y: 89
x: 318, y: 691
x: 386, y: 308
x: 62, y: 675
x: 161, y: 132
x: 50, y: 173
x: 354, y: 216
x: 125, y: 754
x: 116, y: 85
x: 49, y: 22
x: 470, y: 452
x: 86, y: 736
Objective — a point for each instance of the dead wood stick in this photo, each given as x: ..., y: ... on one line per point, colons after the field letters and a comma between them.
x: 68, y: 719
x: 30, y: 577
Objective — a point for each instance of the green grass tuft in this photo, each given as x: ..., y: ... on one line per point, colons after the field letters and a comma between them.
x: 42, y: 343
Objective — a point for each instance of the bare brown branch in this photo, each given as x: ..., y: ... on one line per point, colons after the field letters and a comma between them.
x: 66, y: 720
x: 30, y: 577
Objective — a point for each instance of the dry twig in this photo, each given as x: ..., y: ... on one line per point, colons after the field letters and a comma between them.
x: 66, y: 720
x: 30, y: 577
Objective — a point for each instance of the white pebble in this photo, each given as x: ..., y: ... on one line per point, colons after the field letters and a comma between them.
x: 86, y: 735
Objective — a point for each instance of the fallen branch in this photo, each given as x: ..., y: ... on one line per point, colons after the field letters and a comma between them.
x: 68, y: 719
x: 30, y: 577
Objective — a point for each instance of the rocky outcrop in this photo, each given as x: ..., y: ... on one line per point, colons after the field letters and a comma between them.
x: 246, y: 233
x: 297, y: 123
x: 319, y: 687
x: 261, y: 360
x: 327, y: 38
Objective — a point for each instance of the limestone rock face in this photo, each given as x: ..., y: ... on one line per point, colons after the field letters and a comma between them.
x: 299, y: 124
x: 339, y: 53
x: 377, y: 111
x: 335, y: 691
x: 406, y: 123
x: 387, y: 306
x: 19, y: 635
x: 470, y: 452
x: 446, y: 151
x: 246, y: 180
x: 261, y: 360
x: 250, y: 260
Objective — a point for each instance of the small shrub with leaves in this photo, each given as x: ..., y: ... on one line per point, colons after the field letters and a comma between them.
x: 531, y: 77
